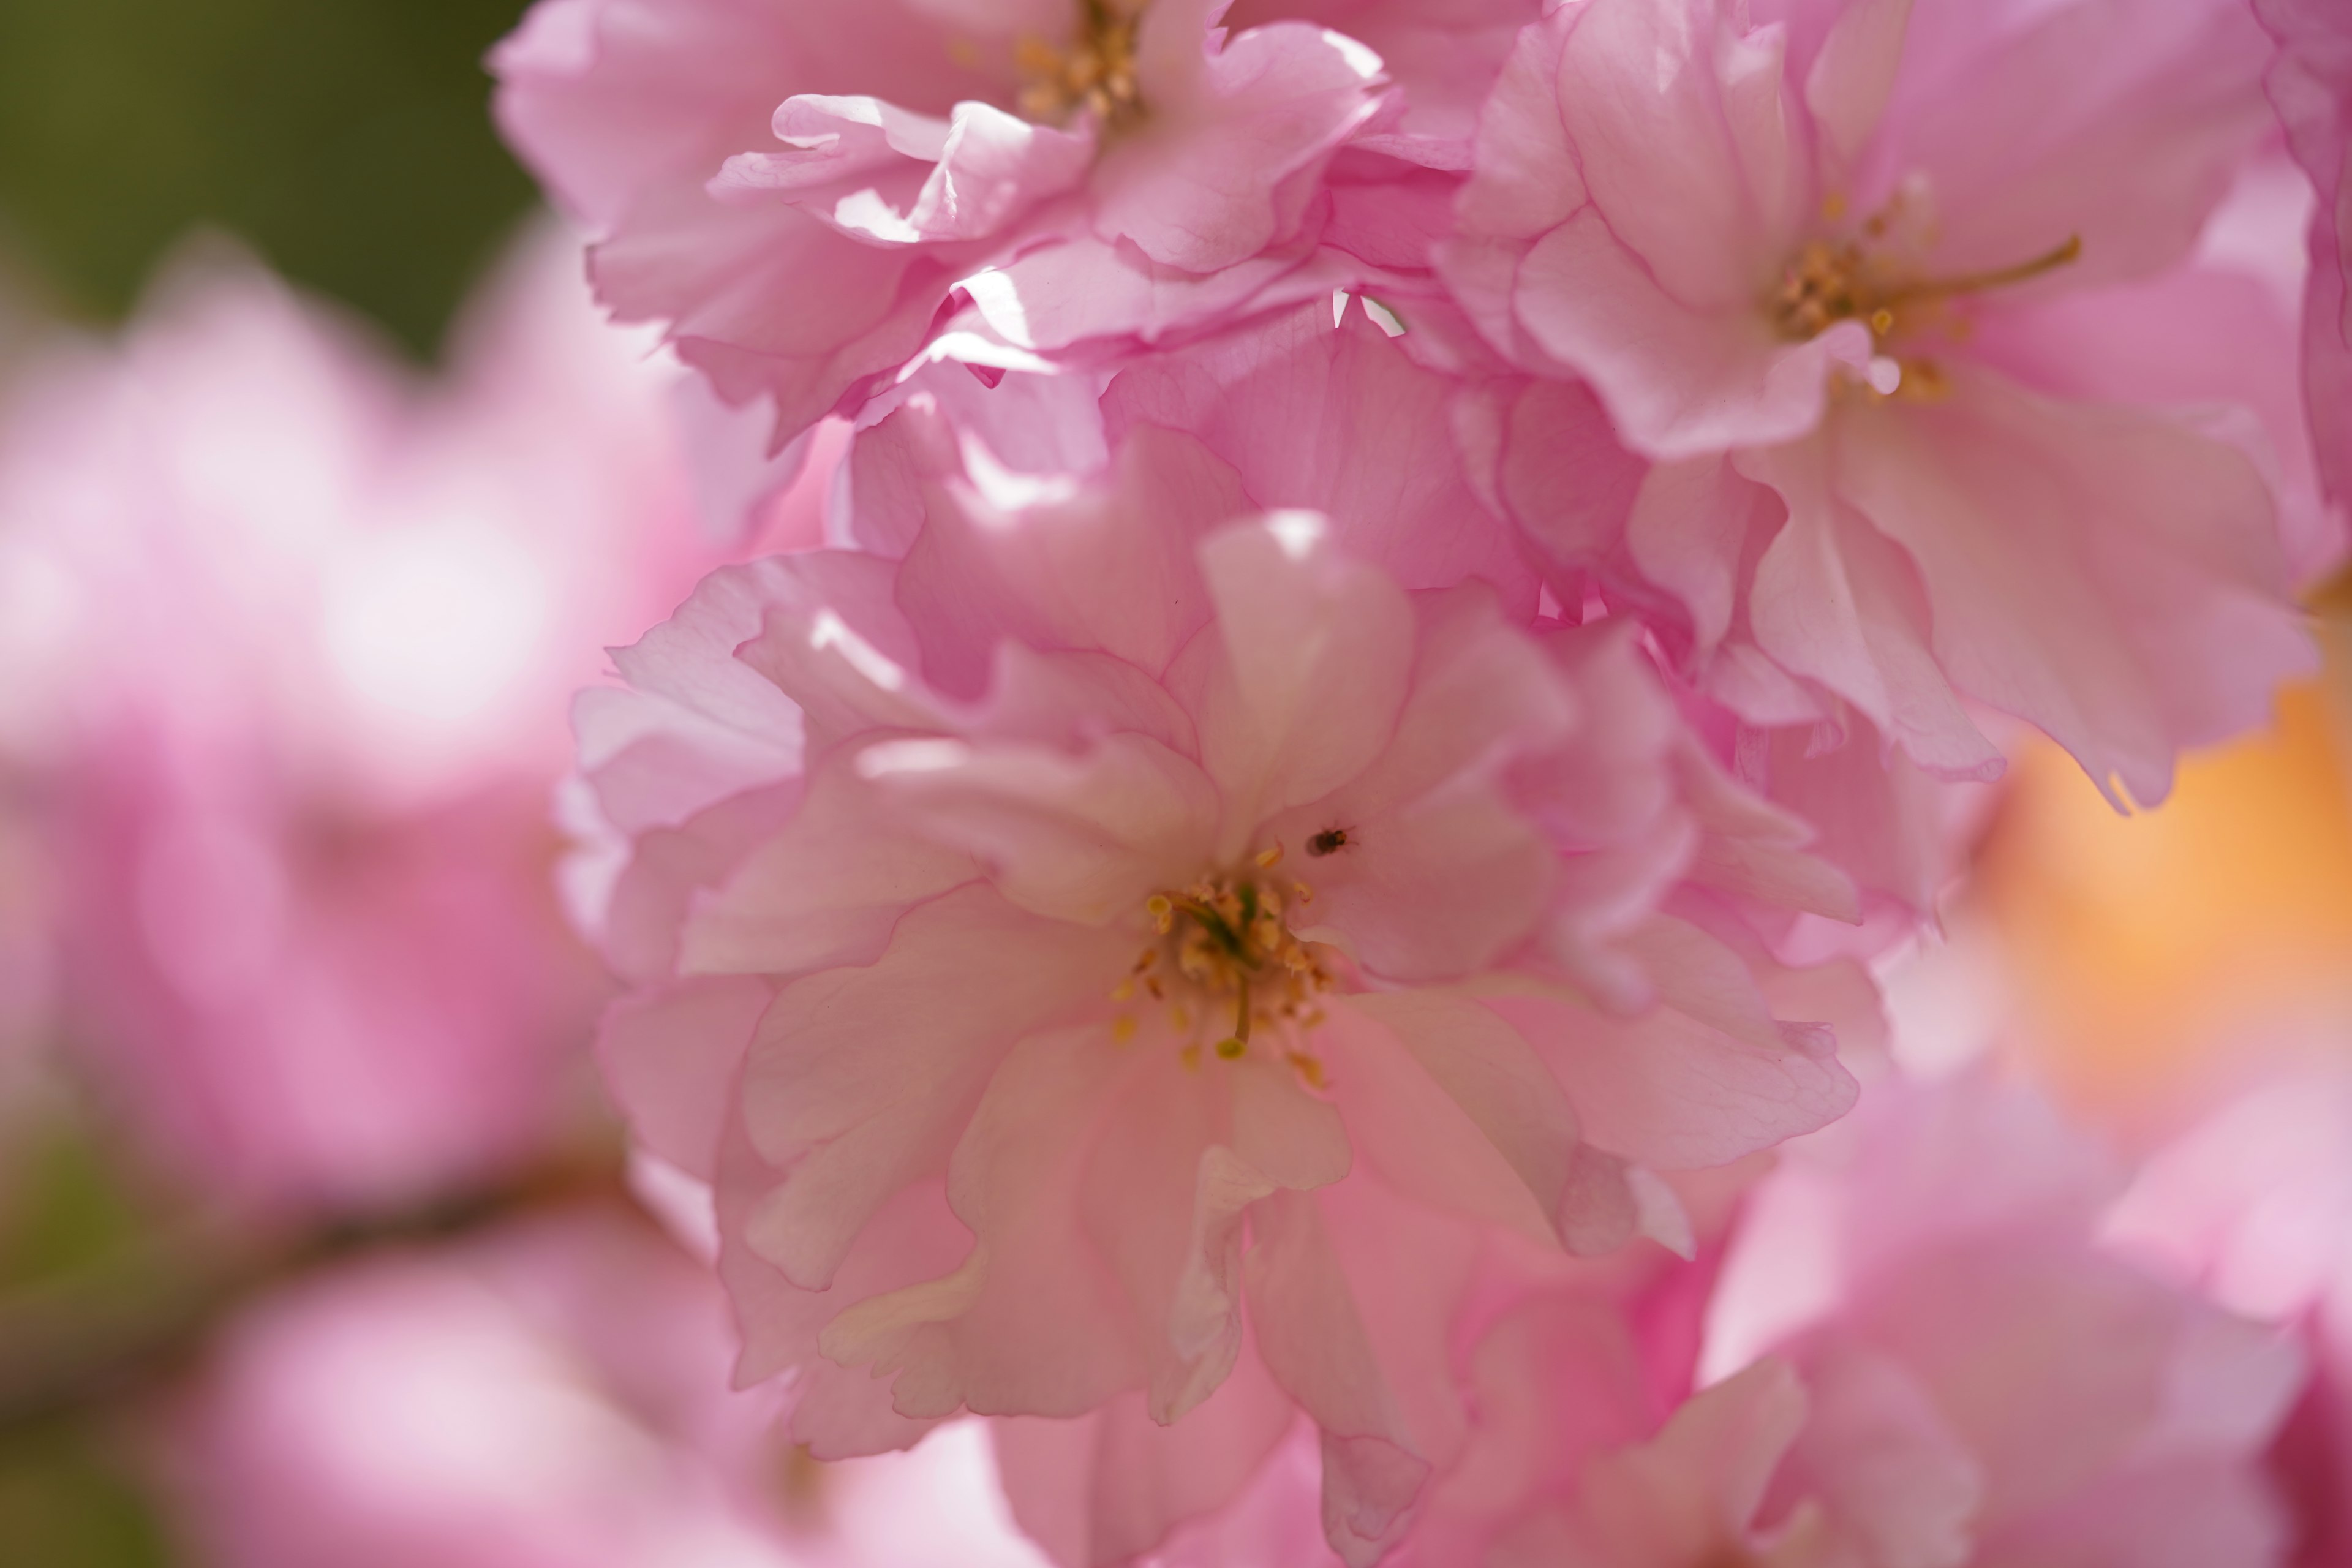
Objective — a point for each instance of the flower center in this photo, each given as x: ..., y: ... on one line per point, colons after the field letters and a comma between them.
x: 1224, y: 962
x: 1093, y: 73
x: 1849, y: 280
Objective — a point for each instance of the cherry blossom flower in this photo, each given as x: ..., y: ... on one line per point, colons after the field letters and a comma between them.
x: 809, y: 194
x: 1339, y: 415
x: 1986, y: 1380
x: 1924, y: 1350
x: 553, y: 1391
x: 1929, y: 1344
x: 2251, y: 1206
x: 1032, y: 932
x: 294, y: 635
x: 1808, y: 270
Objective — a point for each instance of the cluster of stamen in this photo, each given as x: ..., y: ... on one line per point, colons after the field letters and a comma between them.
x: 1223, y: 954
x: 1093, y: 73
x: 1847, y: 280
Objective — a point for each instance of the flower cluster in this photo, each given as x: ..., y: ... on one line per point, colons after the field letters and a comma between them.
x: 1286, y: 675
x: 1413, y: 593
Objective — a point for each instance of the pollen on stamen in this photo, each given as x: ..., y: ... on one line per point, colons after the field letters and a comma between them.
x: 1228, y: 953
x: 1095, y: 72
x: 1122, y: 1028
x: 1268, y: 859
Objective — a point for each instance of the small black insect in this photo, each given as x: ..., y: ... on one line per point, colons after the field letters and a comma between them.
x: 1328, y: 842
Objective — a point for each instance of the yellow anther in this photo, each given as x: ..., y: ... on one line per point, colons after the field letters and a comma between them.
x: 1123, y: 991
x: 1309, y: 1070
x: 1302, y: 892
x: 1191, y: 1056
x: 1269, y: 859
x: 1826, y: 284
x: 1096, y: 71
x: 1122, y: 1028
x: 1226, y: 946
x: 1833, y: 206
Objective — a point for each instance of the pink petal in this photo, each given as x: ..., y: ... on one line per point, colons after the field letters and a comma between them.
x: 1317, y: 652
x: 1682, y: 129
x: 825, y: 890
x: 1451, y: 1105
x: 1084, y: 838
x: 2111, y: 576
x: 1106, y: 1488
x: 860, y: 1080
x: 670, y: 1059
x: 1672, y: 1090
x: 1108, y: 567
x: 1835, y: 602
x: 1337, y: 418
x: 1029, y: 1323
x: 1315, y: 1345
x: 2140, y: 113
x: 1679, y: 381
x: 1197, y: 185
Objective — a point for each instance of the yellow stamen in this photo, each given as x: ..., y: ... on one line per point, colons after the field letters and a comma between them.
x: 1122, y: 1028
x: 1094, y: 73
x: 1225, y: 945
x: 1996, y: 277
x: 1827, y: 284
x: 1268, y: 859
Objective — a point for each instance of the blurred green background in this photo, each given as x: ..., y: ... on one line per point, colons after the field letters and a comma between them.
x: 349, y: 143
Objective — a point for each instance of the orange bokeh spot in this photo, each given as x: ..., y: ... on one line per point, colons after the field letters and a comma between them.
x: 2141, y: 944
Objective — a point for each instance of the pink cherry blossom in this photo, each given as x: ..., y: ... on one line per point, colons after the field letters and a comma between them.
x: 2311, y: 83
x: 553, y: 1393
x: 808, y: 194
x: 1988, y: 1382
x: 1808, y: 268
x: 1924, y: 1352
x: 1058, y: 910
x: 2252, y: 1206
x: 294, y: 635
x: 1341, y: 416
